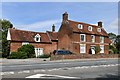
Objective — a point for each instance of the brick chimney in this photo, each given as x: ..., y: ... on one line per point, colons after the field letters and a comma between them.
x: 100, y: 24
x: 53, y: 28
x: 65, y: 16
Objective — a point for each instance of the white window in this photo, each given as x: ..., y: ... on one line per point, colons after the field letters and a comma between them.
x: 80, y: 26
x: 82, y: 48
x: 38, y: 51
x: 82, y: 37
x: 37, y: 38
x: 92, y: 38
x: 90, y: 28
x: 24, y: 43
x: 98, y: 29
x: 101, y: 39
x: 102, y: 48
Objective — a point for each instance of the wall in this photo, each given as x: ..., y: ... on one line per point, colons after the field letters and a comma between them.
x: 47, y: 48
x: 83, y: 56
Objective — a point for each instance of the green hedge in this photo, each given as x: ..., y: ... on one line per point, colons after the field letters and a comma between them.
x: 18, y: 55
x: 44, y: 56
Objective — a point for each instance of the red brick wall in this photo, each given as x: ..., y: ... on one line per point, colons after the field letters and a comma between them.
x: 64, y: 42
x: 14, y: 46
x: 47, y: 48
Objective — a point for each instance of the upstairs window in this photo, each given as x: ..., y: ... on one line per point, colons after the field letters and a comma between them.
x: 37, y: 38
x: 98, y: 29
x: 82, y: 37
x: 101, y: 39
x: 92, y: 38
x: 80, y: 26
x: 90, y: 28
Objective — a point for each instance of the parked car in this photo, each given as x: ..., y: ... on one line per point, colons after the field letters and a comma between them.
x: 61, y: 52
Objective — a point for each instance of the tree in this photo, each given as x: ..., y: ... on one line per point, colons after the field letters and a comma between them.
x: 5, y: 24
x: 117, y: 43
x: 112, y: 37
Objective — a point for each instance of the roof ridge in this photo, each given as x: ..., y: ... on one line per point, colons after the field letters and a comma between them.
x: 27, y: 31
x: 84, y: 23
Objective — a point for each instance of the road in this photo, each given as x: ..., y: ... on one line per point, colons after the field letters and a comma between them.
x: 70, y: 69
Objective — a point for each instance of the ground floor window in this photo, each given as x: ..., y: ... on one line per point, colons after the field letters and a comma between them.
x: 82, y: 48
x: 102, y: 48
x: 38, y: 51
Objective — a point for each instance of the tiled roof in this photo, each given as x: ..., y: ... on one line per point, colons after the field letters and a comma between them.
x: 53, y: 35
x: 21, y: 35
x: 73, y: 25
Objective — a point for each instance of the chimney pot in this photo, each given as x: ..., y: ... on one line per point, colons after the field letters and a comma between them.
x: 100, y: 24
x: 53, y: 28
x: 65, y: 16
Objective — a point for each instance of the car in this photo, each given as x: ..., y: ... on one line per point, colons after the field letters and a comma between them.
x: 61, y: 52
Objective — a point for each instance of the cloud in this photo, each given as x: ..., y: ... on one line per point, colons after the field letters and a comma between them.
x: 41, y: 26
x: 114, y: 24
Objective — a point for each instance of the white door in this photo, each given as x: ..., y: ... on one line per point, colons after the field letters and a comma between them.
x: 93, y: 49
x: 38, y: 51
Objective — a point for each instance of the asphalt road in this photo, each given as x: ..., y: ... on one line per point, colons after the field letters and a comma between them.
x: 75, y: 69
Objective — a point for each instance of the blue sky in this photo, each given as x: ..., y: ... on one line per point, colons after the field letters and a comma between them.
x: 39, y: 16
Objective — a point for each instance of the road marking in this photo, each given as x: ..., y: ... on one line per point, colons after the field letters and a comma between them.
x: 26, y: 71
x: 42, y: 70
x: 6, y: 73
x: 47, y: 75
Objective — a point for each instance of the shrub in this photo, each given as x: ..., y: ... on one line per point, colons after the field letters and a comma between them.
x: 97, y: 49
x: 113, y: 49
x: 17, y: 55
x: 13, y: 55
x: 44, y: 56
x: 28, y: 49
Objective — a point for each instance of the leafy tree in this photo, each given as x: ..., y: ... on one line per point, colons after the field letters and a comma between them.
x: 117, y: 43
x: 28, y: 49
x: 5, y: 24
x: 112, y: 37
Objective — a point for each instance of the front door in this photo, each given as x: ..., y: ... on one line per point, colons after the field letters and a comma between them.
x: 38, y: 51
x: 93, y: 49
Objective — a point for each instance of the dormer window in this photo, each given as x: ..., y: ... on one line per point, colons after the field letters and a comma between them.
x: 80, y: 26
x: 98, y: 29
x: 37, y: 38
x: 90, y: 28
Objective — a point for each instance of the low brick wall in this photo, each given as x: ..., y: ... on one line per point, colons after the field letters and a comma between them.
x: 83, y: 56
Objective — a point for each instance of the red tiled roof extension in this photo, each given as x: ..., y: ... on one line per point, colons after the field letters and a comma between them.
x: 21, y: 35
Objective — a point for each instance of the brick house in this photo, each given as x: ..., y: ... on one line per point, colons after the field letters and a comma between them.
x: 78, y: 37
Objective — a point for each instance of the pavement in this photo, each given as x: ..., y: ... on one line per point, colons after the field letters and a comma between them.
x: 43, y: 60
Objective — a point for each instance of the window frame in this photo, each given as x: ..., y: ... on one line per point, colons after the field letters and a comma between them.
x: 90, y: 28
x: 93, y: 38
x: 25, y: 43
x: 37, y: 36
x: 101, y: 39
x: 102, y: 50
x: 83, y: 47
x: 98, y: 29
x: 80, y: 26
x: 84, y: 37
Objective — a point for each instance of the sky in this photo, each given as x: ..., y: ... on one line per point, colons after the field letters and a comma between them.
x: 40, y: 16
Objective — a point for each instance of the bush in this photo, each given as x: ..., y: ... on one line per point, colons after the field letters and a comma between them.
x: 113, y: 49
x: 44, y: 56
x: 97, y: 49
x: 17, y: 55
x: 28, y: 49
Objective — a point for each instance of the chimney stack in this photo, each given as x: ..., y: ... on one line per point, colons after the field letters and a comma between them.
x: 100, y: 24
x: 65, y: 16
x: 53, y: 28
